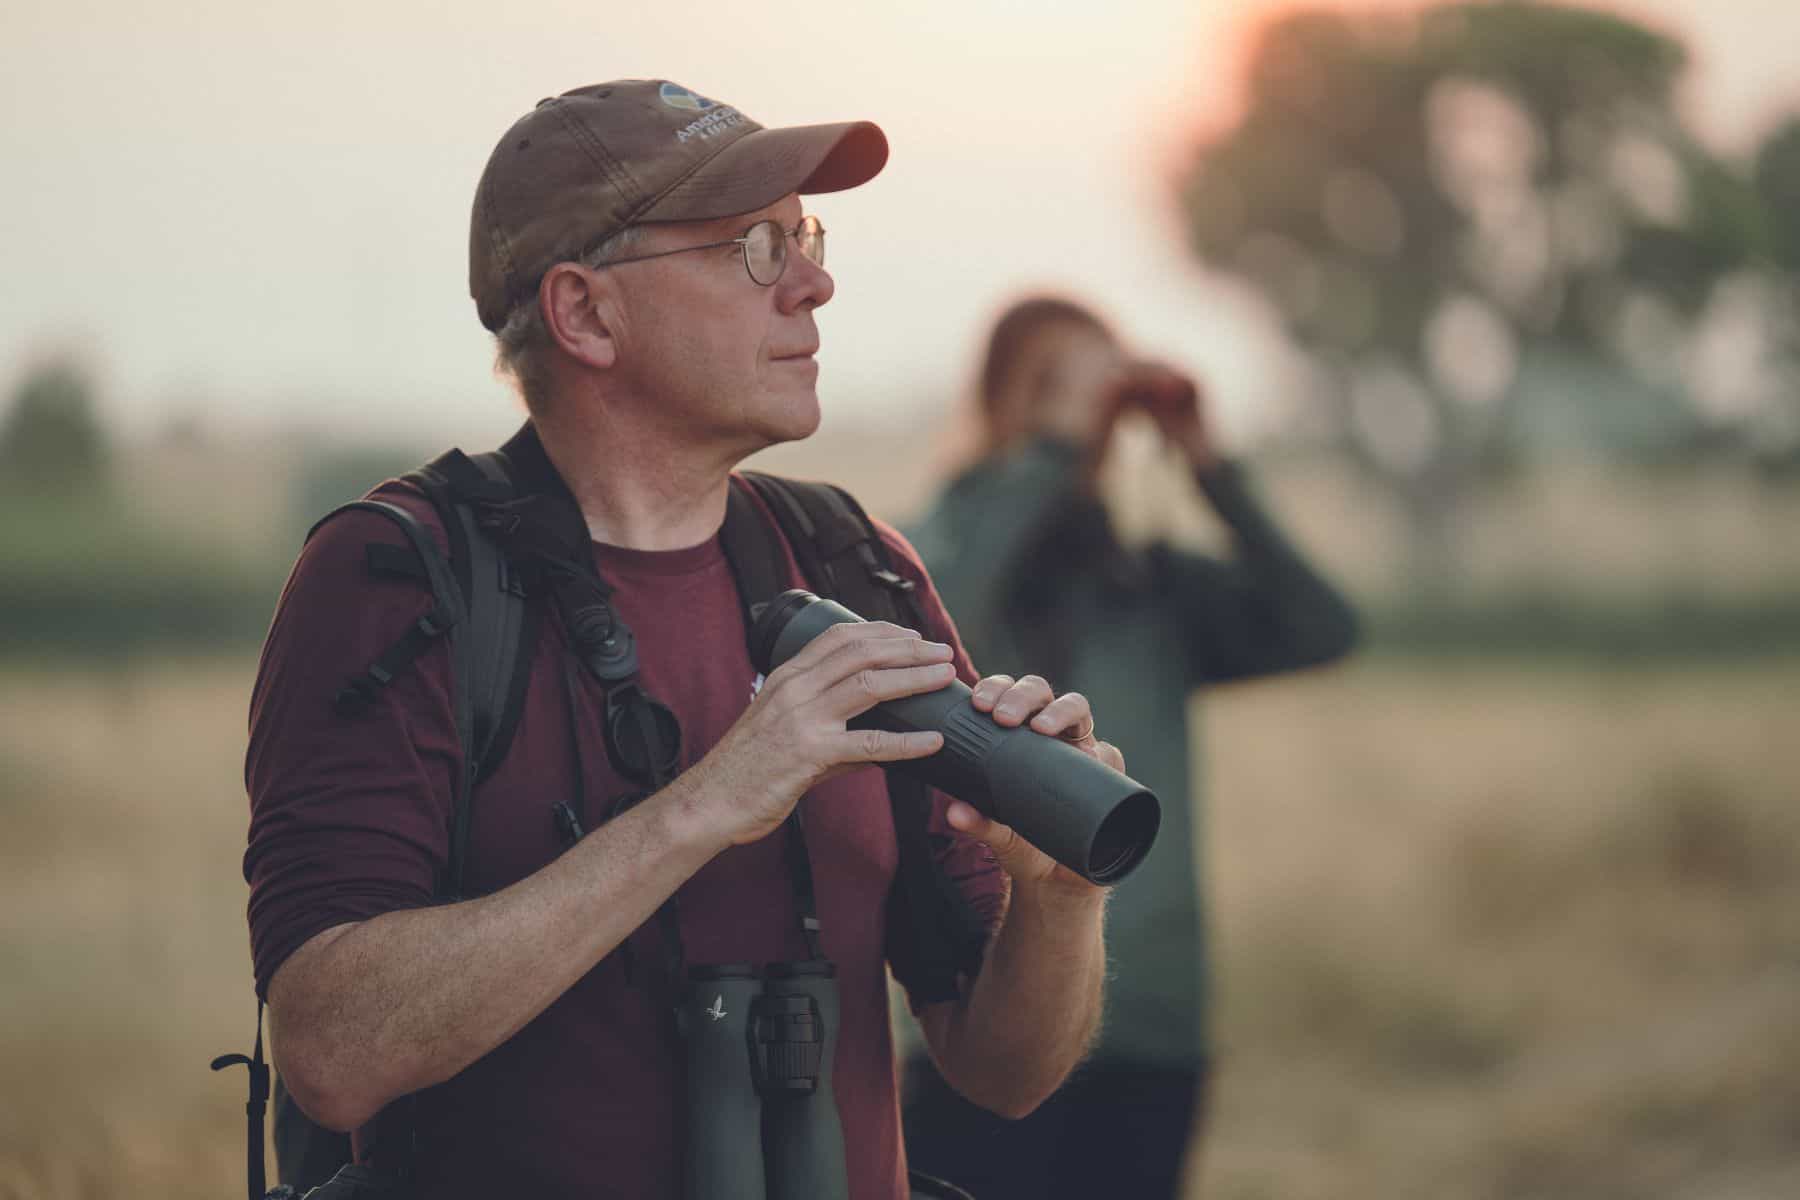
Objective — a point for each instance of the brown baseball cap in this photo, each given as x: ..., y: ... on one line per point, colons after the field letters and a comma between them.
x: 582, y: 166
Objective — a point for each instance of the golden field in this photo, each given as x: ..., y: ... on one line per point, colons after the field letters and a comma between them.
x: 1485, y: 930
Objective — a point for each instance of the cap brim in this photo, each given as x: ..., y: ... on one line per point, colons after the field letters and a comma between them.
x: 766, y: 164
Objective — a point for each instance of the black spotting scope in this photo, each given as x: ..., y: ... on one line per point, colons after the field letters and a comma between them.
x: 1087, y: 816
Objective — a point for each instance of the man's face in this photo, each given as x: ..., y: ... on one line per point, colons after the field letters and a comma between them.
x: 716, y: 357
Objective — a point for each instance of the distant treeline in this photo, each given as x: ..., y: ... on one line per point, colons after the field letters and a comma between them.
x: 1657, y: 628
x: 79, y: 586
x: 89, y: 582
x: 84, y: 573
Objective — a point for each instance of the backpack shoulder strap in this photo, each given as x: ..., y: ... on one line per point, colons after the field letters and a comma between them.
x: 494, y: 659
x: 838, y: 547
x: 448, y: 612
x: 478, y: 601
x: 426, y: 563
x: 932, y: 933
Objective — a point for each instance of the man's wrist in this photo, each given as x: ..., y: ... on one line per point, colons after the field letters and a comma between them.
x: 1058, y: 897
x: 686, y: 821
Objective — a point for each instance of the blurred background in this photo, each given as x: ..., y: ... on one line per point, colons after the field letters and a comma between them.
x: 1500, y: 300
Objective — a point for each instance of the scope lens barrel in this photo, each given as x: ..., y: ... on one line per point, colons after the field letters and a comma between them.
x: 1096, y: 821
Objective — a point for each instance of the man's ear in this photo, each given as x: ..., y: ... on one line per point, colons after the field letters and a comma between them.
x: 580, y: 314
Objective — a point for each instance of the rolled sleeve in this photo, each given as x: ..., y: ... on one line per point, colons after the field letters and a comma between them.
x: 349, y: 814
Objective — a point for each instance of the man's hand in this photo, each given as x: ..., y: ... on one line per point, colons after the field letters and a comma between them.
x: 793, y: 735
x: 1011, y: 703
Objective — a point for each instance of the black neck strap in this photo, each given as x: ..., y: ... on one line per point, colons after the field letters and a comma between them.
x: 759, y: 568
x: 545, y: 521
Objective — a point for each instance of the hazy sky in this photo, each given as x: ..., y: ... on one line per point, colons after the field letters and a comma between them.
x: 258, y: 214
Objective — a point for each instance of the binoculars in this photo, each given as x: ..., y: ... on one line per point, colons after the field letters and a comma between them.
x: 762, y: 1121
x: 1092, y: 819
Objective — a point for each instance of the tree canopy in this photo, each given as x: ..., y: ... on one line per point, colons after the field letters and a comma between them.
x: 1458, y: 213
x: 51, y: 439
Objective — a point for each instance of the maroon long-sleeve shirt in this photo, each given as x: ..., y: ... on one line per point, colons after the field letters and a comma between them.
x: 350, y: 819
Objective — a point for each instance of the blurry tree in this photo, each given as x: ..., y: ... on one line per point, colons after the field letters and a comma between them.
x: 80, y: 573
x: 1777, y: 175
x: 51, y: 440
x: 1778, y: 182
x: 1465, y: 211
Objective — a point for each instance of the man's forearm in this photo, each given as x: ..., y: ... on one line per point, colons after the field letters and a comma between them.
x: 1033, y: 1010
x: 368, y: 1012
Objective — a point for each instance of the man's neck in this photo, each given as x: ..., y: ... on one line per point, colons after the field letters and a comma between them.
x: 636, y: 488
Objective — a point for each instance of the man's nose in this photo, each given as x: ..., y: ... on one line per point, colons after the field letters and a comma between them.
x: 804, y: 284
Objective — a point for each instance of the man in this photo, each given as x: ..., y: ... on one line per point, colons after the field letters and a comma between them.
x: 643, y: 257
x: 1021, y: 545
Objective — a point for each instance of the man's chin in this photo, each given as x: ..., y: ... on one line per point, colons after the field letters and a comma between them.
x: 795, y: 418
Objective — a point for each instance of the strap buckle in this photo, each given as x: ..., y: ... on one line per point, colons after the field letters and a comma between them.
x: 890, y: 580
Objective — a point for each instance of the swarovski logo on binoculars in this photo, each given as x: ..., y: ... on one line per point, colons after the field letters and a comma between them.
x: 762, y: 1122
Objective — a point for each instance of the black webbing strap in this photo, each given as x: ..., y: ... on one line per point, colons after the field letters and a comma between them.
x: 668, y: 913
x: 836, y: 544
x: 760, y: 572
x: 834, y: 541
x: 800, y: 874
x: 473, y: 477
x: 493, y: 664
x: 437, y: 572
x: 753, y: 550
x: 445, y: 613
x: 256, y: 1106
x: 397, y: 562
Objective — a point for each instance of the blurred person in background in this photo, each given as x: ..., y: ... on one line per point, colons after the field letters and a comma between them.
x: 1024, y: 552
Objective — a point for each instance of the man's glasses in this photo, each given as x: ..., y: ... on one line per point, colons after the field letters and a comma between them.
x: 764, y: 245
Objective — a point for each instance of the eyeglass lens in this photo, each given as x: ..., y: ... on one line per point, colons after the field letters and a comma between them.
x: 765, y: 248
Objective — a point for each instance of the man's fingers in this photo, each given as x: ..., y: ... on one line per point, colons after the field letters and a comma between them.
x: 1017, y: 857
x: 837, y: 638
x: 1109, y: 754
x: 966, y: 818
x: 1029, y: 695
x: 808, y: 674
x: 1068, y: 716
x: 857, y: 694
x: 985, y: 694
x: 881, y: 745
x: 864, y: 653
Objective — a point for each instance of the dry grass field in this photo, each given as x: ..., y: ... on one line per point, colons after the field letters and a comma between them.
x: 1486, y: 931
x: 123, y: 959
x: 1508, y: 932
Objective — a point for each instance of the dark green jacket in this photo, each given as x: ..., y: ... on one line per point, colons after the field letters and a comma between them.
x: 1036, y: 581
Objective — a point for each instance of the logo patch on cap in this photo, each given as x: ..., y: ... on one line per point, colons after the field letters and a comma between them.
x: 676, y: 96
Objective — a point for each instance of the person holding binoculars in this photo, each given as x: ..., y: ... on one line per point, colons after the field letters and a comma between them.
x: 638, y: 947
x: 1022, y: 544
